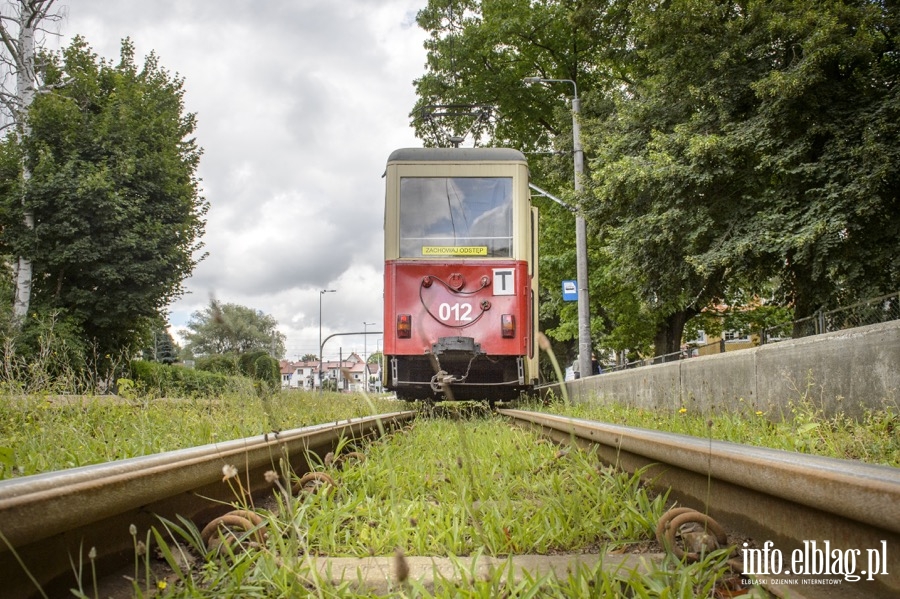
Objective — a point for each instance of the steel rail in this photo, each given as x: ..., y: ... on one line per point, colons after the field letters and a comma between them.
x: 51, y: 521
x: 766, y: 494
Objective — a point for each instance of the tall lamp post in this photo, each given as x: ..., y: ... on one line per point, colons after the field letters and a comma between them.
x: 321, y: 293
x: 366, y: 326
x: 581, y: 267
x: 378, y: 351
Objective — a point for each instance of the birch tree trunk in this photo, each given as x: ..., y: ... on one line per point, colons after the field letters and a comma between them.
x: 25, y: 90
x: 21, y: 50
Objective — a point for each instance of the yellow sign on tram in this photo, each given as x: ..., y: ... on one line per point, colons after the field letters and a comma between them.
x: 454, y: 250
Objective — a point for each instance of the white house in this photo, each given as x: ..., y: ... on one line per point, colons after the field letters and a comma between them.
x: 351, y: 373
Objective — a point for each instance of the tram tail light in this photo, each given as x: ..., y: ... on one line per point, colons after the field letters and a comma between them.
x: 507, y: 326
x: 404, y: 326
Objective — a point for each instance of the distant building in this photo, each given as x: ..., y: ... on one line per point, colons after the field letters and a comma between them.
x: 351, y: 374
x: 728, y: 340
x: 299, y: 375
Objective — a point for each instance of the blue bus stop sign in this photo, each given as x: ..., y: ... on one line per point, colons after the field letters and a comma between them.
x: 570, y: 291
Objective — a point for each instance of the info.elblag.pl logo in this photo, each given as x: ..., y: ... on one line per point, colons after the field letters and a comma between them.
x: 816, y: 559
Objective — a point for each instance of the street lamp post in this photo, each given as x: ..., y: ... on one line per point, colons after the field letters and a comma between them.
x: 581, y: 266
x: 321, y: 293
x: 366, y: 326
x: 380, y: 353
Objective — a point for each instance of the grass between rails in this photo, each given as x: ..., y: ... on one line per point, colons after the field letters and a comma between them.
x: 802, y: 427
x: 446, y: 488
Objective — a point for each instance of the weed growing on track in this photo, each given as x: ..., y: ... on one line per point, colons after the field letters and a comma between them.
x: 804, y: 427
x: 46, y: 433
x: 447, y: 488
x: 502, y: 491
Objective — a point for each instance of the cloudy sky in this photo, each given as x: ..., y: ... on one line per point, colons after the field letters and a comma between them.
x: 299, y: 103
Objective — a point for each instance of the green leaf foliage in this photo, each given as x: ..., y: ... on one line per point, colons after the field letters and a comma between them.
x: 163, y: 380
x: 218, y: 363
x: 232, y: 329
x: 116, y: 203
x: 749, y: 144
x: 259, y: 365
x: 479, y: 53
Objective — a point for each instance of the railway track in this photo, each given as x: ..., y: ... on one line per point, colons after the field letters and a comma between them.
x: 798, y: 502
x: 51, y: 519
x: 785, y: 502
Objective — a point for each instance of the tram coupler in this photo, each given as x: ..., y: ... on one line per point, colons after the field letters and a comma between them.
x: 441, y: 379
x: 455, y: 351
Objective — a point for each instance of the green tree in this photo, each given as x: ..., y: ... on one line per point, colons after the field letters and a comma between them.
x: 309, y: 358
x: 751, y: 141
x: 232, y: 329
x: 162, y: 347
x: 829, y: 109
x: 113, y: 192
x: 480, y: 52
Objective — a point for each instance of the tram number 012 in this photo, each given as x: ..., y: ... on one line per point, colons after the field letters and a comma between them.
x: 457, y: 312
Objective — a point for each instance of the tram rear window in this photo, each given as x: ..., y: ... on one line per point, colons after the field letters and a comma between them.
x: 456, y: 216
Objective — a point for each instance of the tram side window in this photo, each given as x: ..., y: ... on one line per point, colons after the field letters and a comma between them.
x: 456, y: 216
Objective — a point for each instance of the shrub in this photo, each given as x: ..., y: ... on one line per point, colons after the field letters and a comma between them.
x: 261, y: 366
x: 218, y: 363
x: 46, y: 355
x: 162, y: 380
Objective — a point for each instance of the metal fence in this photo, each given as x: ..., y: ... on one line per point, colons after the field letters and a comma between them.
x: 872, y: 311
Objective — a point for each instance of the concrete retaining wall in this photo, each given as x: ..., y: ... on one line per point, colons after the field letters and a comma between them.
x: 846, y: 371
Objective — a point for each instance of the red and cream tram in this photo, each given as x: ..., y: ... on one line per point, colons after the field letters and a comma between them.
x: 460, y: 274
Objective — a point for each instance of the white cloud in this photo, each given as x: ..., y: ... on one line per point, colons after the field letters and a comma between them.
x: 298, y: 106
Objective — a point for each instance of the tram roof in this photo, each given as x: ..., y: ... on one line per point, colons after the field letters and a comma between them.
x: 455, y: 155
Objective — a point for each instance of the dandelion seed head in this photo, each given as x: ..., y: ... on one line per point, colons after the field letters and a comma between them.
x: 271, y: 477
x: 228, y: 471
